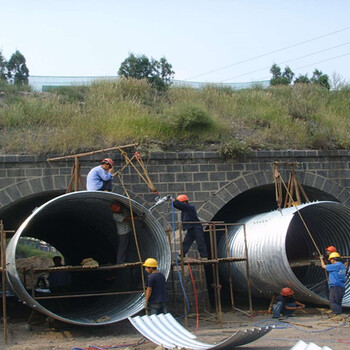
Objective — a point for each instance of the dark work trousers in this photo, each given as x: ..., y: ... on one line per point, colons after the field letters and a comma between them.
x: 123, y: 243
x: 336, y: 294
x: 195, y: 233
x: 157, y: 308
x: 279, y: 309
x: 107, y: 186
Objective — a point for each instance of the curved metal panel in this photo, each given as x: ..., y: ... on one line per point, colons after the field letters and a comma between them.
x: 80, y: 225
x: 164, y: 330
x: 281, y: 253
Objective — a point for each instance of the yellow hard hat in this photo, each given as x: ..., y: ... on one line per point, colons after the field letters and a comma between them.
x: 150, y: 262
x: 333, y: 255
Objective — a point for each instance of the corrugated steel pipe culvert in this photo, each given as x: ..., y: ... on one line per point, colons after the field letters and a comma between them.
x: 80, y: 225
x: 281, y: 253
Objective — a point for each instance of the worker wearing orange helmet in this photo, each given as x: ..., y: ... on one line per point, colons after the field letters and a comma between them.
x: 194, y: 229
x: 122, y: 219
x: 331, y: 249
x: 100, y: 177
x: 336, y: 281
x: 285, y: 304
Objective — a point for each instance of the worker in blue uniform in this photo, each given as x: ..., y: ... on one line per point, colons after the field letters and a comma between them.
x: 336, y: 281
x: 285, y: 304
x: 190, y: 221
x: 100, y: 177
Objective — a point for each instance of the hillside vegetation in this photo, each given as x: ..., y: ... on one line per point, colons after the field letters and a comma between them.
x: 109, y: 113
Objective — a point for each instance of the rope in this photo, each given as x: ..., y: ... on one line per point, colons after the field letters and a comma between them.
x: 302, y: 219
x: 284, y: 325
x: 145, y: 177
x: 134, y: 231
x: 195, y: 295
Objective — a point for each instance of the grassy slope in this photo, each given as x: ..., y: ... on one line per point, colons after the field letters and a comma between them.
x: 105, y: 114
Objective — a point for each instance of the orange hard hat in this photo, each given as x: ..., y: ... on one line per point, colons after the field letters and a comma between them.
x: 116, y: 207
x: 286, y: 291
x: 107, y: 161
x: 182, y: 198
x: 331, y: 249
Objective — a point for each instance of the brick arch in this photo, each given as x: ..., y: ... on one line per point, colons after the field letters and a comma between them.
x: 38, y: 185
x: 30, y: 187
x: 255, y: 179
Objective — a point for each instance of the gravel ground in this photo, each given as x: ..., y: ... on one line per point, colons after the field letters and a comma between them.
x: 314, y: 325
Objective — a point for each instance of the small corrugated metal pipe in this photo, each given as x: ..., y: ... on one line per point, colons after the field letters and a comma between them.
x: 282, y: 254
x: 80, y: 225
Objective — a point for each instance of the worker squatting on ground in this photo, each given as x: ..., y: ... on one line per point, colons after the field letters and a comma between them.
x: 155, y: 297
x: 336, y: 281
x: 285, y: 304
x: 100, y: 177
x: 194, y: 230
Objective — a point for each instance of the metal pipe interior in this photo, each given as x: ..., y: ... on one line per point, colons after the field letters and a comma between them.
x: 281, y: 252
x: 80, y: 225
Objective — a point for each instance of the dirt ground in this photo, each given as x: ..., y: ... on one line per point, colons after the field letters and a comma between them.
x: 314, y: 325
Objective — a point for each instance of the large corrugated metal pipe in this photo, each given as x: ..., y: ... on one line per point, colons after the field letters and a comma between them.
x: 281, y: 252
x: 80, y: 225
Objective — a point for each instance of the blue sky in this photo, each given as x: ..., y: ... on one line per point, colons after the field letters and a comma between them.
x: 93, y: 37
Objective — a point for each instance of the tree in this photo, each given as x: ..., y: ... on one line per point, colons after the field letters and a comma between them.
x: 3, y: 71
x: 288, y: 73
x: 281, y: 79
x: 17, y: 69
x: 158, y: 73
x: 304, y: 79
x: 319, y: 78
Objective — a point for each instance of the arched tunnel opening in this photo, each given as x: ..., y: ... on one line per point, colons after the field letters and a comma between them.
x: 16, y: 212
x: 80, y: 226
x: 328, y: 223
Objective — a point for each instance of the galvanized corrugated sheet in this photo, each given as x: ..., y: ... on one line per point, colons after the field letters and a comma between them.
x: 301, y: 345
x: 278, y: 238
x: 164, y: 330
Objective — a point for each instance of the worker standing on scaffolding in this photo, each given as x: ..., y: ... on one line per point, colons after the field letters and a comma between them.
x: 194, y: 229
x: 155, y: 296
x: 100, y: 177
x: 336, y: 281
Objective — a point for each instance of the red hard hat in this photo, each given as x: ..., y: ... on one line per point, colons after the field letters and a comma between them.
x: 286, y: 291
x: 116, y: 207
x: 182, y: 198
x: 331, y: 249
x: 107, y: 160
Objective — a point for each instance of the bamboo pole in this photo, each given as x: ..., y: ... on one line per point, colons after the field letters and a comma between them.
x: 92, y: 152
x: 247, y: 271
x: 3, y: 279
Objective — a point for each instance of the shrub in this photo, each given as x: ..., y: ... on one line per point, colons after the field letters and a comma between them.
x: 70, y: 93
x: 233, y: 148
x: 190, y: 117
